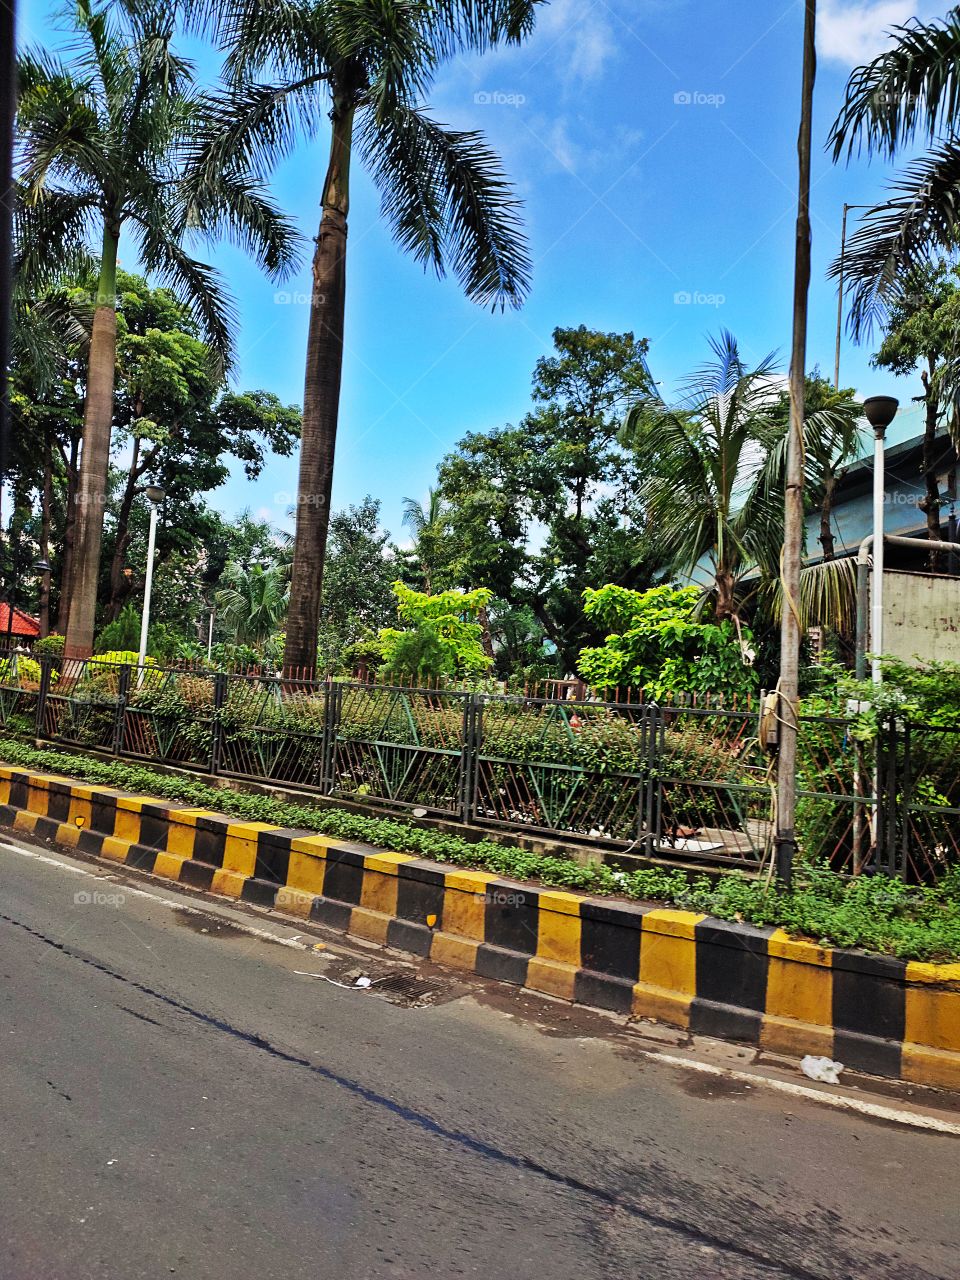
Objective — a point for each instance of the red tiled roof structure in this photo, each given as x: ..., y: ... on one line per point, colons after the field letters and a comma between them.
x: 23, y: 624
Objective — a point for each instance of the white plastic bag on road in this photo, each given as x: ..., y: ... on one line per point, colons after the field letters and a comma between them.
x: 823, y: 1069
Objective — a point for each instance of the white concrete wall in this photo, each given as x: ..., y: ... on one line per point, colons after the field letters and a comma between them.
x: 921, y: 617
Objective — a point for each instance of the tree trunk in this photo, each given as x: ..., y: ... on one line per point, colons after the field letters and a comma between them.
x: 483, y: 617
x: 46, y: 502
x: 95, y: 458
x: 69, y: 531
x: 826, y: 511
x: 930, y: 502
x: 321, y: 403
x: 726, y: 606
x: 793, y: 513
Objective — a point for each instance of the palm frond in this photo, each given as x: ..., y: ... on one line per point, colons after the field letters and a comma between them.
x: 449, y: 204
x: 910, y: 91
x: 898, y: 237
x: 828, y: 595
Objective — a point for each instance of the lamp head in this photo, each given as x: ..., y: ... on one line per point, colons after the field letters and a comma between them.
x: 880, y: 411
x: 155, y: 494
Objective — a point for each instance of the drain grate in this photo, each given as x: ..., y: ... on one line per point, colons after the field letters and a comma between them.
x: 406, y: 989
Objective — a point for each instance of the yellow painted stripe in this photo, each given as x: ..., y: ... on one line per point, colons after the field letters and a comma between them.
x: 168, y: 865
x: 378, y: 891
x: 661, y: 1005
x: 369, y: 924
x: 668, y: 952
x: 305, y: 871
x: 558, y: 930
x: 229, y: 883
x: 933, y: 1006
x: 459, y: 953
x: 294, y: 900
x: 126, y: 824
x: 115, y: 848
x: 240, y: 846
x: 68, y: 835
x: 38, y: 799
x: 551, y: 976
x: 937, y: 1067
x: 23, y: 820
x: 317, y: 845
x: 799, y: 981
x: 790, y: 1036
x: 81, y: 811
x: 386, y: 862
x: 464, y: 903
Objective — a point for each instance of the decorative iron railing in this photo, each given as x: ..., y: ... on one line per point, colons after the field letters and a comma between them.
x: 691, y: 782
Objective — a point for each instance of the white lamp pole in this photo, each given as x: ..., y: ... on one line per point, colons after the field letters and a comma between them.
x: 154, y: 496
x: 880, y: 412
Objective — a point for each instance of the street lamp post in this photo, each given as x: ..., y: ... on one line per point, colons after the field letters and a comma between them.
x: 155, y: 496
x: 879, y: 412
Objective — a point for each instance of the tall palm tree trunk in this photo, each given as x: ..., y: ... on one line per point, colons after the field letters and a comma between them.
x: 321, y: 403
x: 786, y: 840
x: 95, y: 458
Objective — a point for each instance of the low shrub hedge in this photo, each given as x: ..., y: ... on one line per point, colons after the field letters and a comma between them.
x: 875, y: 913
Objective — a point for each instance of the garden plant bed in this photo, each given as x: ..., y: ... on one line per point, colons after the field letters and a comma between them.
x: 875, y: 913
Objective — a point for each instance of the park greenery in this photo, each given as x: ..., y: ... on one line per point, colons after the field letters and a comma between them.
x: 612, y: 540
x: 912, y: 922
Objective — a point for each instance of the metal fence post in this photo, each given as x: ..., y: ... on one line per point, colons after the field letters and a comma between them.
x: 216, y: 723
x: 120, y: 711
x: 333, y: 693
x: 470, y: 749
x: 46, y: 671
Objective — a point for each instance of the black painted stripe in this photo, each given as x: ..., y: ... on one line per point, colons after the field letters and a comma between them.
x: 869, y: 1011
x: 261, y: 893
x: 602, y: 991
x: 511, y: 917
x: 199, y: 875
x: 420, y: 893
x: 732, y: 963
x: 334, y: 914
x: 708, y: 1018
x: 610, y: 941
x: 273, y: 855
x: 503, y: 965
x: 209, y: 841
x: 343, y: 876
x: 407, y: 936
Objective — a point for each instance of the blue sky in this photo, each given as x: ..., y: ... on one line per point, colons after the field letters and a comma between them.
x: 653, y: 142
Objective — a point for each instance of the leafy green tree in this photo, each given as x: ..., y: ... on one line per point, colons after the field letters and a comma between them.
x: 658, y: 643
x: 921, y: 331
x: 358, y: 598
x: 541, y: 511
x: 252, y: 602
x: 442, y: 637
x: 365, y: 68
x: 704, y: 466
x: 429, y: 525
x: 175, y: 422
x: 101, y: 142
x: 908, y: 95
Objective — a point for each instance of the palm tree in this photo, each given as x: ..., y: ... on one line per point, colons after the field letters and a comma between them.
x: 705, y: 459
x: 428, y: 524
x: 252, y: 601
x: 101, y: 141
x: 364, y: 66
x: 907, y: 95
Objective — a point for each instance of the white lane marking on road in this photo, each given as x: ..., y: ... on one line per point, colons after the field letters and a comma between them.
x: 172, y: 903
x: 914, y: 1119
x: 911, y: 1119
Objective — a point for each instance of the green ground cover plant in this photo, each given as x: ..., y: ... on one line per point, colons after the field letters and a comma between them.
x: 875, y: 913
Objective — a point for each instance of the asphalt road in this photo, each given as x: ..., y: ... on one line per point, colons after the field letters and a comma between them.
x: 185, y: 1103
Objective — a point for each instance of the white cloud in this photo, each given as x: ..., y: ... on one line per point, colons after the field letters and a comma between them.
x: 854, y: 33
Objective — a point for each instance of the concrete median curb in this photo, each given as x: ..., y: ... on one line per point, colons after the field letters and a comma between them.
x: 875, y: 1013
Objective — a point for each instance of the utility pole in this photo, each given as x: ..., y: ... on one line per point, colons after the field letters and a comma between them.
x: 793, y: 527
x: 843, y: 254
x: 8, y: 90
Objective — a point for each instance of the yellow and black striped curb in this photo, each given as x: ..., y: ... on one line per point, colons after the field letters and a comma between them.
x: 874, y: 1013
